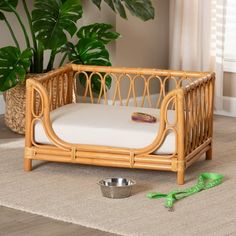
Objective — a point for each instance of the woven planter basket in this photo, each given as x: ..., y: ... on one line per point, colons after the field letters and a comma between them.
x: 15, y: 107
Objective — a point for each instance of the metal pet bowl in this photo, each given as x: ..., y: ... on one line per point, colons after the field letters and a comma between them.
x: 116, y: 187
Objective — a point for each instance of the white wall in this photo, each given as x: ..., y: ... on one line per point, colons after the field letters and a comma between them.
x: 229, y: 95
x: 229, y: 84
x: 144, y: 44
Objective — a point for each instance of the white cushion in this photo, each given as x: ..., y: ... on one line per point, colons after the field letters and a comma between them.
x: 97, y: 124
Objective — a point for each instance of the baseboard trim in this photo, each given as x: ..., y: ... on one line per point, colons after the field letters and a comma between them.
x: 228, y: 107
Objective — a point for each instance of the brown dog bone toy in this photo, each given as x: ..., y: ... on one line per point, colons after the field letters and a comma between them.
x: 143, y: 117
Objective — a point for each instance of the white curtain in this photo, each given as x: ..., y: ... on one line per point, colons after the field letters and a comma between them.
x: 197, y: 38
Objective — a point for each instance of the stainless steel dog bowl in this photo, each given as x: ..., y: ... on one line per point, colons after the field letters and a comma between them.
x: 116, y: 187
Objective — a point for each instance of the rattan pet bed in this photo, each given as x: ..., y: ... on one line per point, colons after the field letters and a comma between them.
x: 98, y: 130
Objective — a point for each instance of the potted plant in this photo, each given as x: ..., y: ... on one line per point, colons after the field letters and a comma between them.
x: 52, y: 24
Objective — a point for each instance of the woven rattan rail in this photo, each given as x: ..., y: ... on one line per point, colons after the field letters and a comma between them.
x: 188, y: 94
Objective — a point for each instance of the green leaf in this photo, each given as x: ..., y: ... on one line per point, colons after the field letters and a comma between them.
x: 4, y: 5
x: 120, y: 8
x: 13, y: 66
x: 110, y: 4
x: 52, y: 18
x: 142, y: 9
x: 2, y: 16
x: 97, y: 3
x: 98, y: 31
x: 90, y: 51
x: 71, y: 52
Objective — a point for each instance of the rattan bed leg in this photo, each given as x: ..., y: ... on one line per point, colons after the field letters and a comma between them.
x: 181, y: 172
x: 180, y: 177
x: 209, y: 154
x: 27, y: 164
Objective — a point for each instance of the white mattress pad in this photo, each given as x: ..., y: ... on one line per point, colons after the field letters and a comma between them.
x: 105, y: 125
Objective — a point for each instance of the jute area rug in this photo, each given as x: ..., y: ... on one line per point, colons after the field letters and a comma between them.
x: 70, y: 193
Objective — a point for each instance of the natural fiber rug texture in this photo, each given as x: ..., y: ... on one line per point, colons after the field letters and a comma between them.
x: 70, y: 193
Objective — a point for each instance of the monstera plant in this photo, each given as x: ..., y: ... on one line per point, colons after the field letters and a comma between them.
x: 50, y: 28
x: 52, y: 24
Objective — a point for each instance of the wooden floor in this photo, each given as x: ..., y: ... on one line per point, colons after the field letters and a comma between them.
x: 18, y: 223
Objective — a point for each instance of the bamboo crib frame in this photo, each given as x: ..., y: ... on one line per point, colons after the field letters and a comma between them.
x: 191, y: 100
